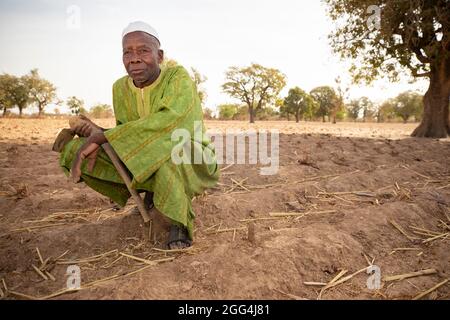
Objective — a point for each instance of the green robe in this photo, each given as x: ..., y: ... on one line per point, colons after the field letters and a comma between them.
x: 145, y: 120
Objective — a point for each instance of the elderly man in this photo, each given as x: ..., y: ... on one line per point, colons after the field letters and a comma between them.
x: 149, y: 103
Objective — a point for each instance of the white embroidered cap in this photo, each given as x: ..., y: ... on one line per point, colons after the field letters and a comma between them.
x: 140, y: 26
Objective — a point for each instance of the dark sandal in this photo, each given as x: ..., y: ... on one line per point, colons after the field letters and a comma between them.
x: 148, y: 200
x: 178, y: 234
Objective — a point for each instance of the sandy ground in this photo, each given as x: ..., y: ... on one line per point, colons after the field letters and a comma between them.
x: 346, y: 196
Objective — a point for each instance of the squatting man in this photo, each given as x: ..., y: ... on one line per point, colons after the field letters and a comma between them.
x: 149, y: 103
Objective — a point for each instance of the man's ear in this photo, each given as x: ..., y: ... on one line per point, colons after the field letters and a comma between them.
x: 160, y: 56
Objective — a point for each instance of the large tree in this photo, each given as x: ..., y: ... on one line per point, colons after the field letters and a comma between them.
x: 326, y: 100
x: 255, y: 86
x: 42, y: 91
x: 299, y: 103
x: 385, y: 37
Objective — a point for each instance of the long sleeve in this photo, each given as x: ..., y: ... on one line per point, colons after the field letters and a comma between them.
x: 145, y: 144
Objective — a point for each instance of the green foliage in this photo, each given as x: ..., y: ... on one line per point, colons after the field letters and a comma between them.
x: 101, y: 111
x: 408, y: 104
x: 264, y: 113
x: 386, y: 36
x: 6, y: 85
x: 242, y: 113
x: 362, y: 106
x: 353, y: 109
x: 42, y: 91
x: 386, y: 111
x: 207, y: 114
x: 75, y: 105
x: 227, y: 111
x: 299, y: 103
x: 199, y: 79
x: 326, y: 99
x: 256, y: 86
x: 341, y: 114
x: 368, y: 108
x: 14, y: 92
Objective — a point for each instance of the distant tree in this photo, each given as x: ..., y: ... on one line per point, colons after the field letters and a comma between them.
x: 264, y: 113
x: 101, y: 111
x: 338, y: 110
x: 353, y: 109
x: 42, y: 92
x: 57, y: 111
x: 242, y: 113
x: 20, y: 93
x: 368, y: 108
x: 408, y: 104
x: 227, y: 111
x: 255, y: 86
x: 282, y: 109
x: 386, y: 37
x: 385, y: 111
x: 340, y: 115
x: 326, y: 98
x: 207, y: 114
x: 199, y: 79
x: 75, y: 105
x: 299, y: 103
x: 7, y: 84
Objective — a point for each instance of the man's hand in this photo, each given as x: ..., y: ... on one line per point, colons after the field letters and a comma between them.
x: 85, y: 127
x: 88, y: 150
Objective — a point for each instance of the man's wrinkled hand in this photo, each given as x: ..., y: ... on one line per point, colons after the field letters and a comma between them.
x: 86, y: 127
x: 89, y: 151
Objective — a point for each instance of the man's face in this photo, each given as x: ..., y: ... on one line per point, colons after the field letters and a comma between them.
x: 141, y: 57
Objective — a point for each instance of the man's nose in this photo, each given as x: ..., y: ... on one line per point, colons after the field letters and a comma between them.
x: 135, y: 58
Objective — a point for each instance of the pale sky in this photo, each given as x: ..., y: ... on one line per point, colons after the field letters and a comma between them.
x: 85, y: 59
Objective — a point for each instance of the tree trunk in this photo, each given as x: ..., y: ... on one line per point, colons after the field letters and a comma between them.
x: 20, y: 111
x: 4, y: 110
x: 323, y: 118
x: 252, y: 114
x: 41, y: 108
x: 297, y: 117
x: 435, y: 121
